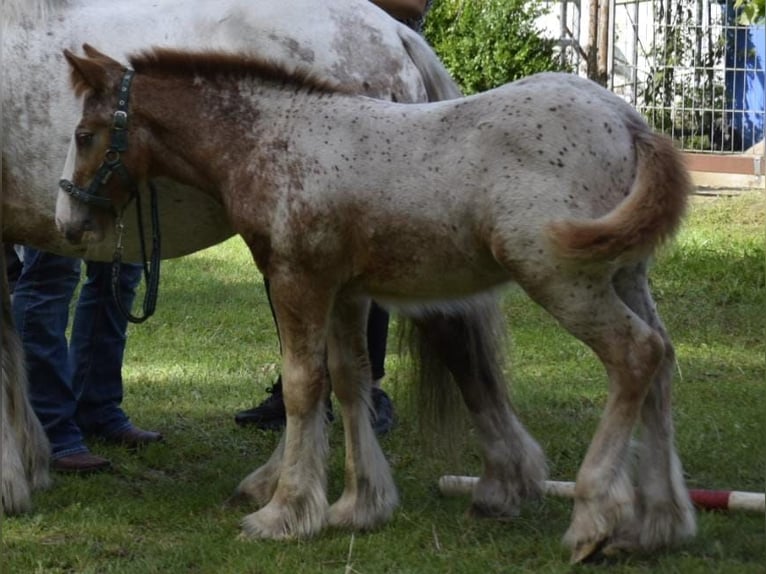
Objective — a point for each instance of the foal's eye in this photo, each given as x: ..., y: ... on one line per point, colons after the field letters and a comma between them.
x: 83, y: 139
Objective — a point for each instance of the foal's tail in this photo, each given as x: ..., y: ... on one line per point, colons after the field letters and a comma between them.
x: 647, y: 217
x: 438, y: 82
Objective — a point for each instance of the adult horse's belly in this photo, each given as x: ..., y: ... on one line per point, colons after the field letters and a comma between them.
x: 189, y: 220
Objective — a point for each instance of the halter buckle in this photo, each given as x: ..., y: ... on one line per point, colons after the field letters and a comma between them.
x: 120, y: 120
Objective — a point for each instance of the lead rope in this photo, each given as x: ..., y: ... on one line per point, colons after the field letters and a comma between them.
x: 151, y: 273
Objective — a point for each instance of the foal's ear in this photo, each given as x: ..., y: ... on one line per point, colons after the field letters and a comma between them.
x: 87, y: 74
x: 91, y: 52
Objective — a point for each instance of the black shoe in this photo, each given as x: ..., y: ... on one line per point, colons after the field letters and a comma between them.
x: 270, y: 414
x: 383, y: 411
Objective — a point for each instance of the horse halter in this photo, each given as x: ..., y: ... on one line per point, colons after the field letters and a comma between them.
x: 112, y: 161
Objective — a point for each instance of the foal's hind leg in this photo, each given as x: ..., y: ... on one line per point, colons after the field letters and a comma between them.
x: 666, y: 514
x: 369, y: 496
x: 298, y: 505
x: 514, y: 464
x: 631, y: 351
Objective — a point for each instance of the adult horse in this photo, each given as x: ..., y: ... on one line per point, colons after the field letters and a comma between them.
x: 551, y: 182
x: 351, y: 41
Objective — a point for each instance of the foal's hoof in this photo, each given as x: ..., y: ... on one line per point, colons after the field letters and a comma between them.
x: 267, y: 523
x: 586, y: 551
x: 277, y: 521
x: 605, y: 549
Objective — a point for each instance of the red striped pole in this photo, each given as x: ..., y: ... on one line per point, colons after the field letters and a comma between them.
x: 451, y: 485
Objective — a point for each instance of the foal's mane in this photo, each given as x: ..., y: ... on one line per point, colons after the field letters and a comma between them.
x: 216, y: 64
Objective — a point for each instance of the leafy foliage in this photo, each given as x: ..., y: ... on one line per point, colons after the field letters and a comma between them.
x: 486, y: 43
x: 751, y: 11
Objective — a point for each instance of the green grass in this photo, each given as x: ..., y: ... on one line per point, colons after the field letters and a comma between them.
x: 211, y: 350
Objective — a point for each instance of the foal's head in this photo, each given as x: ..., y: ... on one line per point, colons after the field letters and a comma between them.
x: 113, y: 144
x: 106, y: 168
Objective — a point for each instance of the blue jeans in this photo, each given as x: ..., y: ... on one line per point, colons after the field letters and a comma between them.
x: 76, y: 388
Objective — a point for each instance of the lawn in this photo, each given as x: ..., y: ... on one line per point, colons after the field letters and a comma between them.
x: 211, y: 350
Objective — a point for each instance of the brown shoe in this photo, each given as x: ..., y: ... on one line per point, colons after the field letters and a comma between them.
x: 80, y: 463
x: 135, y: 437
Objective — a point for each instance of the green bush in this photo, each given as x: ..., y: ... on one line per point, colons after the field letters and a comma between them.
x: 486, y: 43
x: 751, y: 11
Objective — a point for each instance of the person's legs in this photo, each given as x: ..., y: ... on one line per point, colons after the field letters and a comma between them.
x: 97, y: 348
x: 377, y: 338
x: 41, y: 311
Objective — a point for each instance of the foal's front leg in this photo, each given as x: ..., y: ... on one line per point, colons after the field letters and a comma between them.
x: 369, y: 496
x: 298, y: 506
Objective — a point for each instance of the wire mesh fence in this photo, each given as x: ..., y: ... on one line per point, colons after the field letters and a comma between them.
x: 692, y: 71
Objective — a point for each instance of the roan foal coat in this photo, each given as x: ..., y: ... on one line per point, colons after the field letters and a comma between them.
x: 551, y: 182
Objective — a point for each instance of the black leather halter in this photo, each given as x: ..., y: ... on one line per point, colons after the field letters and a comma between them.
x: 112, y: 163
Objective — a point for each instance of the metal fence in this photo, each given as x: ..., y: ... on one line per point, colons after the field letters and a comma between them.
x: 692, y: 70
x: 688, y: 66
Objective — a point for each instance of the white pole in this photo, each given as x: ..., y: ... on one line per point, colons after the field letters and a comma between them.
x: 451, y: 485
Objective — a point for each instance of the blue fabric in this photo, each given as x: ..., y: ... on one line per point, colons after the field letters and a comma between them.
x: 75, y: 388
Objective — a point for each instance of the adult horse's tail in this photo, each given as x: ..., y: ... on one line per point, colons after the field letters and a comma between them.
x: 438, y: 82
x: 463, y: 345
x: 25, y: 449
x: 466, y: 346
x: 649, y: 215
x: 437, y: 399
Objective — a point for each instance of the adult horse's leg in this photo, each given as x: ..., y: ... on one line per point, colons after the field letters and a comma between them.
x: 586, y: 304
x: 369, y: 496
x: 15, y: 493
x: 25, y: 449
x: 467, y: 343
x: 298, y: 506
x: 666, y: 514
